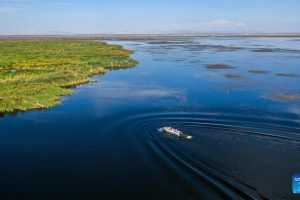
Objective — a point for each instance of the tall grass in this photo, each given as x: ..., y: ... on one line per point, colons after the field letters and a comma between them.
x: 34, y: 74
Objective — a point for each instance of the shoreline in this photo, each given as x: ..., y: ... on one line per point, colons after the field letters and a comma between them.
x: 144, y: 36
x: 43, y: 71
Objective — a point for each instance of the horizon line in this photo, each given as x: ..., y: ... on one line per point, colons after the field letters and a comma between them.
x: 138, y: 35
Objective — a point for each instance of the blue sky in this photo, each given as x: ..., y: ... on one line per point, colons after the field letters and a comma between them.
x: 148, y: 16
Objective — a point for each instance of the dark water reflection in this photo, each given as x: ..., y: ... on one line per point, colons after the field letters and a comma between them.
x: 103, y: 140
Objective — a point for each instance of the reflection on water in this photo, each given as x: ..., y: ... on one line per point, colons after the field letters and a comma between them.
x: 237, y: 97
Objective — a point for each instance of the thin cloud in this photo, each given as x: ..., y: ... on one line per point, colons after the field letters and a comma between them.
x: 223, y: 22
x: 12, y: 6
x: 63, y: 3
x: 219, y: 24
x: 10, y: 9
x: 9, y: 6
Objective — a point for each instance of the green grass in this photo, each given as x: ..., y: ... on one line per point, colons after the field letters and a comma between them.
x: 34, y: 74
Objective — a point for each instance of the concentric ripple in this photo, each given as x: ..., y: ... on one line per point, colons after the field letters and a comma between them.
x: 214, y: 163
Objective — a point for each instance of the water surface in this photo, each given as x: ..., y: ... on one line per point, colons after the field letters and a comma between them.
x: 102, y: 141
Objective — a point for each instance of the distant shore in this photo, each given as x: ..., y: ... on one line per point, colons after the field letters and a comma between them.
x: 140, y: 36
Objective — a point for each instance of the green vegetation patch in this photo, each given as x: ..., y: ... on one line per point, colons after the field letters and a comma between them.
x: 35, y: 73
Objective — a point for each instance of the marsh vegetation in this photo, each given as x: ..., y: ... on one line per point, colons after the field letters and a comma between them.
x: 258, y: 71
x: 287, y: 75
x: 219, y: 66
x: 282, y: 97
x: 231, y: 102
x: 35, y: 73
x: 233, y: 76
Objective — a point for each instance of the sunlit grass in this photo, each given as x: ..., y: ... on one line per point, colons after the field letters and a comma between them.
x: 34, y: 74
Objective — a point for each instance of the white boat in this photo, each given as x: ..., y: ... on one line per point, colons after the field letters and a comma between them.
x: 174, y: 132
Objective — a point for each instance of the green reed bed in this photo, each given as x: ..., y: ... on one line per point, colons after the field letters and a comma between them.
x: 35, y: 73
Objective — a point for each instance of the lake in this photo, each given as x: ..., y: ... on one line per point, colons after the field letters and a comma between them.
x: 238, y: 97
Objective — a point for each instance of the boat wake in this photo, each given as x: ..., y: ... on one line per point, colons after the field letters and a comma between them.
x: 225, y: 159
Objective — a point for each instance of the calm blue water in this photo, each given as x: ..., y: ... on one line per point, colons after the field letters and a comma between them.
x: 102, y: 141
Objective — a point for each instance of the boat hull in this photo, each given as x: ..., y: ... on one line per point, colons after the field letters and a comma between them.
x: 175, y: 133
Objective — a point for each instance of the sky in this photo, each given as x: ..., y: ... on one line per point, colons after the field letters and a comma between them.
x: 148, y: 16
